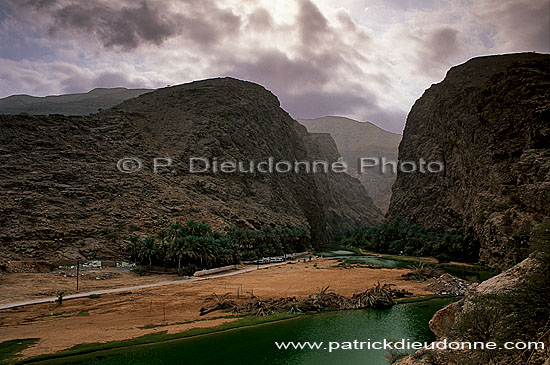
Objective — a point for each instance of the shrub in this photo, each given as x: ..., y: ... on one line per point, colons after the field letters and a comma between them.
x: 401, y: 237
x: 60, y: 297
x: 443, y: 257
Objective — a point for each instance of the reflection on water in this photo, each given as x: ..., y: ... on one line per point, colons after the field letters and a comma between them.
x: 461, y: 271
x: 378, y: 261
x: 255, y: 345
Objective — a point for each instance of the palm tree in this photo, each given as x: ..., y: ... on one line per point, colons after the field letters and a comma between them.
x: 193, y: 228
x: 133, y: 248
x: 202, y: 249
x: 162, y: 235
x: 180, y: 249
x: 148, y: 250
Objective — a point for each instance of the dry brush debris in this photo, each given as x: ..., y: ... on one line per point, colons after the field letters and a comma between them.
x: 379, y: 296
x: 422, y: 272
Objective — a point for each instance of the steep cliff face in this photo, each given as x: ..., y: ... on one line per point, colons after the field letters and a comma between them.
x: 63, y: 195
x: 347, y: 205
x: 357, y: 140
x: 488, y: 123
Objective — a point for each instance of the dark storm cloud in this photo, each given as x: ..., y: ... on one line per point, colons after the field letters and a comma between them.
x: 38, y: 4
x: 314, y: 71
x: 275, y: 69
x: 319, y: 77
x: 134, y: 23
x: 312, y: 24
x: 438, y: 49
x: 125, y: 28
x: 364, y: 105
x: 260, y: 19
x: 318, y: 103
x: 443, y: 43
x: 321, y: 53
x: 78, y: 81
x: 298, y: 84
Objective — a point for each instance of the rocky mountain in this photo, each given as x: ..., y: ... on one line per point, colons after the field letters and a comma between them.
x: 339, y: 190
x: 64, y: 195
x: 487, y: 121
x: 357, y: 140
x: 68, y: 104
x: 495, y: 310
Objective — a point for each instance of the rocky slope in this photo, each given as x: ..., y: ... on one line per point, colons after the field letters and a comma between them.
x: 361, y: 139
x: 479, y: 312
x: 340, y: 190
x: 68, y: 104
x: 488, y: 123
x: 64, y: 197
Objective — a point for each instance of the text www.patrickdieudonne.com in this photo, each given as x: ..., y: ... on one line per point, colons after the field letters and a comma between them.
x: 406, y: 344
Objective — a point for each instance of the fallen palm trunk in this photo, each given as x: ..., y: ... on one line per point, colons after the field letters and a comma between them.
x: 379, y: 296
x: 422, y: 272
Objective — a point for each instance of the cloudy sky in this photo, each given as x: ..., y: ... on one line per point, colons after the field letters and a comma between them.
x: 365, y: 59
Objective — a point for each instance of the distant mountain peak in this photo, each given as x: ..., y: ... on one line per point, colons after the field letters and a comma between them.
x: 356, y: 139
x: 68, y: 104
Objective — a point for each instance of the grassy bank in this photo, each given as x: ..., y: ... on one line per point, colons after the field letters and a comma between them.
x: 462, y: 270
x: 10, y: 349
x: 87, y: 348
x: 424, y: 298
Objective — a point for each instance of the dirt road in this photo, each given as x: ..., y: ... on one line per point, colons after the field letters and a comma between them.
x: 123, y: 313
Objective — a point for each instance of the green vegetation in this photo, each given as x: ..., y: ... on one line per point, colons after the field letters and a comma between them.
x: 424, y: 298
x: 400, y: 237
x: 159, y: 337
x: 10, y: 349
x: 150, y: 326
x: 195, y: 246
x: 60, y: 297
x: 521, y: 314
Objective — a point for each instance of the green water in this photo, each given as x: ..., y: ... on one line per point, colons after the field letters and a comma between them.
x: 465, y: 272
x: 255, y: 345
x: 378, y: 261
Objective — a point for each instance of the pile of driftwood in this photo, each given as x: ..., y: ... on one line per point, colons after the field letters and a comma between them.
x: 422, y: 272
x: 379, y: 296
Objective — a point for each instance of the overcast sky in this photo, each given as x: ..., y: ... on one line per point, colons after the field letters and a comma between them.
x: 364, y: 59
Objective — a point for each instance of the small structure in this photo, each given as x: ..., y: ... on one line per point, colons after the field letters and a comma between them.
x: 96, y: 264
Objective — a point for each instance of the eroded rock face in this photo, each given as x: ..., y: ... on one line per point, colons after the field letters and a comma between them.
x: 357, y: 140
x: 488, y: 123
x: 63, y: 196
x: 445, y: 319
x: 347, y: 205
x: 507, y: 281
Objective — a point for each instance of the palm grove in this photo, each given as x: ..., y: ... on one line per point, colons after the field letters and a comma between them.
x: 195, y: 246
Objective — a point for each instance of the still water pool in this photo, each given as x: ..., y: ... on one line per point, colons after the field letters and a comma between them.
x: 255, y: 345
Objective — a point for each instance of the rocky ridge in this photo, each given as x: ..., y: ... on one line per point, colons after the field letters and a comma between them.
x: 487, y: 121
x: 443, y: 322
x: 65, y: 198
x: 340, y: 190
x: 356, y: 140
x: 68, y: 104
